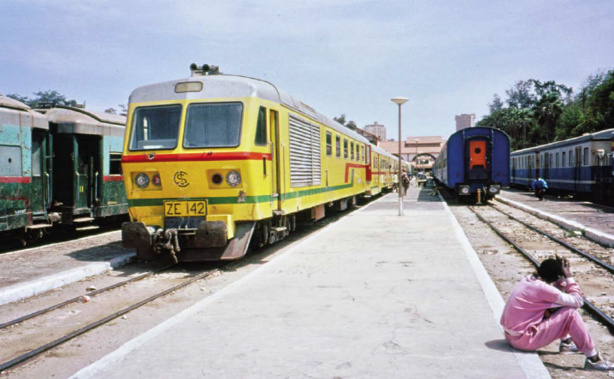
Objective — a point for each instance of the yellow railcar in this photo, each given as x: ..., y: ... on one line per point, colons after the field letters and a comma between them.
x: 214, y: 160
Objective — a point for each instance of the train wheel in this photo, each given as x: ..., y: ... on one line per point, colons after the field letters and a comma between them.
x: 263, y: 235
x: 293, y: 223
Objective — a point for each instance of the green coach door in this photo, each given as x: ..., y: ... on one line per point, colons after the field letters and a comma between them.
x: 40, y: 184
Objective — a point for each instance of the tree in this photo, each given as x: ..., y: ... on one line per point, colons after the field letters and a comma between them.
x: 43, y: 98
x: 546, y: 111
x: 496, y: 104
x: 521, y: 95
x: 110, y: 110
x: 348, y: 124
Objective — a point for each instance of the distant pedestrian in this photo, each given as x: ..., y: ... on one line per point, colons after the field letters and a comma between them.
x: 395, y: 185
x: 405, y: 181
x: 540, y: 186
x: 543, y: 308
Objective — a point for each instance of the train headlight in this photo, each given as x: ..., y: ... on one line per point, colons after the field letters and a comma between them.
x: 464, y: 190
x: 233, y: 178
x: 217, y: 179
x: 141, y: 180
x: 494, y: 189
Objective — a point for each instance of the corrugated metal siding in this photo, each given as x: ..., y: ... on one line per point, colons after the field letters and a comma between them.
x: 305, y: 154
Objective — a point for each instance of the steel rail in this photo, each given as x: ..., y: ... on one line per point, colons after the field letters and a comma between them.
x: 588, y: 306
x: 78, y: 298
x: 559, y: 241
x: 33, y: 353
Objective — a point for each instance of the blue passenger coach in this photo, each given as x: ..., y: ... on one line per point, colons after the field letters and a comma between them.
x: 474, y: 162
x: 579, y: 166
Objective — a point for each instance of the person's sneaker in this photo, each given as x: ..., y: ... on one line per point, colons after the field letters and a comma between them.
x: 568, y: 348
x: 600, y: 365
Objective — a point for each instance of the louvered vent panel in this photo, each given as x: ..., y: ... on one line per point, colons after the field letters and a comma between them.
x: 305, y: 155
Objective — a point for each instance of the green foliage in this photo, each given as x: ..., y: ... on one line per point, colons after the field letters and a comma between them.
x: 44, y: 98
x: 541, y: 112
x: 348, y: 124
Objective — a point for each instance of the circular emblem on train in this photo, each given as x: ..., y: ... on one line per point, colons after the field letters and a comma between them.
x: 181, y: 179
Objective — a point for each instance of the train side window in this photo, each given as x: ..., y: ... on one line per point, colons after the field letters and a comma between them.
x: 357, y: 152
x: 115, y: 163
x: 563, y: 159
x: 362, y: 153
x: 352, y: 150
x: 586, y: 156
x: 261, y: 128
x: 36, y: 158
x: 10, y: 161
x: 570, y: 158
x: 338, y: 145
x: 345, y: 148
x: 329, y: 144
x: 556, y: 160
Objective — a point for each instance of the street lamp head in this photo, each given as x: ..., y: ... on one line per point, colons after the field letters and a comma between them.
x: 399, y: 100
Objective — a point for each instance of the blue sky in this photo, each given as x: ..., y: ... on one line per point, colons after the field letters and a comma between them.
x: 339, y: 56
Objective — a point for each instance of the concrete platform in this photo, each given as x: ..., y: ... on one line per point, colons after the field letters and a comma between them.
x: 37, y: 270
x: 374, y: 295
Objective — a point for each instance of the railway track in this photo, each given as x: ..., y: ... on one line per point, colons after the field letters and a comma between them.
x: 586, y: 265
x: 38, y: 346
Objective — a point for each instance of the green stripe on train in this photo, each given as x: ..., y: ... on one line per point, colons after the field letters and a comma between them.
x: 234, y: 199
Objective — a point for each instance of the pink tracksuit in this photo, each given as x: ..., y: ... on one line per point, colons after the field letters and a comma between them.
x: 524, y: 322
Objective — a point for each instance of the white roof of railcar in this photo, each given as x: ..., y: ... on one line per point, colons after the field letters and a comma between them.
x: 81, y: 121
x: 602, y: 135
x: 12, y: 109
x: 224, y: 86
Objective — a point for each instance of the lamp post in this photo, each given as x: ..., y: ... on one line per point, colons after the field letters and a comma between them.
x: 400, y: 101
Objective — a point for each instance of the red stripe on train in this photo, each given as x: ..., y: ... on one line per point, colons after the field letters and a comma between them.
x: 114, y: 178
x: 15, y: 179
x: 352, y: 165
x: 209, y: 156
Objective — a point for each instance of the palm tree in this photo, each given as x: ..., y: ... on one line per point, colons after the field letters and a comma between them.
x: 546, y: 111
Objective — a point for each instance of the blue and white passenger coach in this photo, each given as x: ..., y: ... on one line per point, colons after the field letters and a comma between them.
x: 580, y: 165
x: 474, y: 162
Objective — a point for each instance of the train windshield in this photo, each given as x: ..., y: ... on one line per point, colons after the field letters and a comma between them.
x: 155, y: 127
x: 213, y: 125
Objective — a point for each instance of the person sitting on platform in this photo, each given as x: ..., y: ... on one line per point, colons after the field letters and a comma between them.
x: 543, y: 308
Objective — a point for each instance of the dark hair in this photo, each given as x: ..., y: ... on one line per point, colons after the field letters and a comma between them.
x: 550, y: 270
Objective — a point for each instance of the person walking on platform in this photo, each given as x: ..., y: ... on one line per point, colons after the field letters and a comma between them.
x: 405, y: 181
x: 540, y: 186
x: 543, y: 308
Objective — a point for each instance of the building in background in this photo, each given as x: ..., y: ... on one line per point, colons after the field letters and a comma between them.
x: 419, y: 151
x: 464, y: 121
x: 377, y: 130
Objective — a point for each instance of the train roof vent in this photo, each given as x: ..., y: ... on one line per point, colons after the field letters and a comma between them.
x: 205, y: 69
